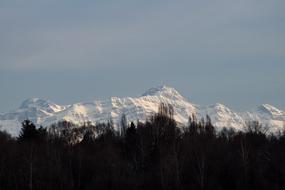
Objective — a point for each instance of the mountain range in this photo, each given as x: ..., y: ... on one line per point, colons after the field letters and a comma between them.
x: 45, y: 113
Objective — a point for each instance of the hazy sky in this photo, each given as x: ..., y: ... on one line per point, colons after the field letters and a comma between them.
x: 228, y: 51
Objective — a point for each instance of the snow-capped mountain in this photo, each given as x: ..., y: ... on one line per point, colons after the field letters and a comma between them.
x: 45, y: 113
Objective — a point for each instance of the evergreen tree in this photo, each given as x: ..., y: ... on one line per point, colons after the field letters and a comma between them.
x: 28, y: 132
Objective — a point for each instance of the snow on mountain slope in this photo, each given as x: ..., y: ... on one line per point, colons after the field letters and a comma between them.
x: 222, y: 116
x: 267, y: 115
x: 10, y: 126
x: 45, y: 113
x: 134, y: 108
x: 35, y: 109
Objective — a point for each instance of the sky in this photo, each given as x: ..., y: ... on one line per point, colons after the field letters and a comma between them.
x: 67, y: 51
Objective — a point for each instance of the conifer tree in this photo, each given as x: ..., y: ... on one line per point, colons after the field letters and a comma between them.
x: 28, y: 132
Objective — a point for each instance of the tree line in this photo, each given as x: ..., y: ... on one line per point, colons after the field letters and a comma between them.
x: 155, y: 154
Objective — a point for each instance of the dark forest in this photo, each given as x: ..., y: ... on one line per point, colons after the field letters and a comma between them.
x: 156, y: 154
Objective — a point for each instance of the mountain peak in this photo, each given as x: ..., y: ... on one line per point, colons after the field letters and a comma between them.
x: 218, y: 105
x: 40, y: 104
x: 163, y: 90
x: 45, y: 113
x: 34, y: 102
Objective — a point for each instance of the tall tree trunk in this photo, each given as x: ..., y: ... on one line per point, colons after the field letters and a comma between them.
x: 31, y: 169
